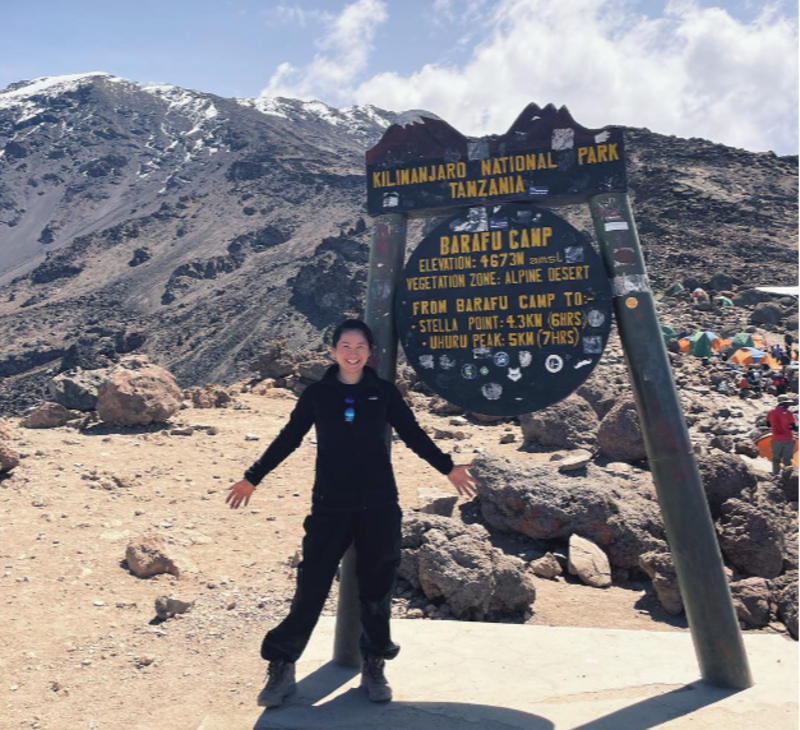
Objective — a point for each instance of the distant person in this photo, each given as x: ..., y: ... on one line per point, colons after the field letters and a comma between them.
x: 754, y: 380
x: 782, y: 423
x: 354, y: 500
x: 780, y: 382
x: 777, y: 352
x: 744, y: 387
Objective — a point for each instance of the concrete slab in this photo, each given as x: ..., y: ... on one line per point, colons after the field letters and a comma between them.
x: 458, y: 676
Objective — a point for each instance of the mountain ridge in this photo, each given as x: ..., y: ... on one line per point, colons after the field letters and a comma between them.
x: 211, y: 234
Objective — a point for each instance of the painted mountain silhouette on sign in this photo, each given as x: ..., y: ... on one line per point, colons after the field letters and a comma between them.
x: 422, y: 164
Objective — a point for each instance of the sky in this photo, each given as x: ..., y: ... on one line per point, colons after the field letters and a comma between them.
x: 724, y: 70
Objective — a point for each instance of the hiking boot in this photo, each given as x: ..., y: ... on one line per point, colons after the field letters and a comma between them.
x: 280, y: 684
x: 374, y: 680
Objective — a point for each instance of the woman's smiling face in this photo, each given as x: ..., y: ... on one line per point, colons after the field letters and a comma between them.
x: 351, y: 353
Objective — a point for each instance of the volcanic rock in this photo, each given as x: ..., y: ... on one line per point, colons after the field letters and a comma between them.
x: 588, y: 562
x: 620, y: 435
x: 724, y: 476
x: 455, y: 563
x: 76, y: 389
x: 569, y: 424
x: 661, y: 569
x: 546, y: 567
x: 751, y: 539
x: 150, y: 555
x: 47, y: 415
x: 435, y: 501
x: 137, y: 392
x: 544, y: 504
x: 751, y: 601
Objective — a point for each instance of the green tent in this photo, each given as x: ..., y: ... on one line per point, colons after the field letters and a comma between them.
x: 673, y: 290
x: 668, y: 333
x: 742, y: 340
x: 723, y: 301
x: 700, y: 345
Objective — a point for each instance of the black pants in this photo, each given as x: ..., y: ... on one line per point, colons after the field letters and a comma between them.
x: 376, y: 533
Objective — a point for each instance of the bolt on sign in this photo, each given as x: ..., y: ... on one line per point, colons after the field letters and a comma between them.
x: 422, y: 164
x: 504, y: 310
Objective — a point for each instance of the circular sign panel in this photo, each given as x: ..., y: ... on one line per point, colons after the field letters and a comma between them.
x: 504, y: 310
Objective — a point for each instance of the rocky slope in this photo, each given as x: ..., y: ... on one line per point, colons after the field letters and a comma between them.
x: 200, y: 229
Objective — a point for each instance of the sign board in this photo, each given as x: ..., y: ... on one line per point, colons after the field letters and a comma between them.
x: 504, y: 310
x: 422, y: 164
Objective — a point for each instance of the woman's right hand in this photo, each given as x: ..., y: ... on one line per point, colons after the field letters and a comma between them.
x: 239, y: 494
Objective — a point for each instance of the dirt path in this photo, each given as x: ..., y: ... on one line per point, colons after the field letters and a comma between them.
x: 80, y: 647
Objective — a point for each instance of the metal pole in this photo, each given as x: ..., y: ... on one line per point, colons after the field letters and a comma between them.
x: 687, y: 519
x: 385, y: 266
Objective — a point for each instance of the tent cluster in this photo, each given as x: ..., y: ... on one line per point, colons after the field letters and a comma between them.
x: 745, y: 349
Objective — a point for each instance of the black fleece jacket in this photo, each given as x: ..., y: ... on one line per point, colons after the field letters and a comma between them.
x: 353, y: 469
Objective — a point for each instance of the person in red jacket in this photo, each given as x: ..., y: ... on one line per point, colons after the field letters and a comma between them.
x: 783, y: 423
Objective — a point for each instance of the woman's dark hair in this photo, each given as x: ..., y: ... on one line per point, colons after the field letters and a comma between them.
x: 352, y: 324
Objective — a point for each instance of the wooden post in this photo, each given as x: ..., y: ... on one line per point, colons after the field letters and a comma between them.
x: 684, y: 507
x: 385, y: 266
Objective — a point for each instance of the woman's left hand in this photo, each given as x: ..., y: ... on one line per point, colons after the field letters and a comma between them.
x: 463, y: 481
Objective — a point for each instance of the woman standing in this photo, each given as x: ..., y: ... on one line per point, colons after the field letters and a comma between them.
x: 354, y: 500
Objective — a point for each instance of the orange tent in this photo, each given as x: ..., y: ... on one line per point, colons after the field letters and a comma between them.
x: 765, y: 448
x: 720, y: 344
x: 759, y: 342
x: 742, y: 356
x: 771, y: 361
x: 684, y: 344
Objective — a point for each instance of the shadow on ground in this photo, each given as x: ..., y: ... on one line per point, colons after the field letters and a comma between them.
x: 351, y: 709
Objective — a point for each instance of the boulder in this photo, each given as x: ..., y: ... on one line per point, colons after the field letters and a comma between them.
x: 767, y: 313
x: 47, y: 415
x: 788, y: 484
x: 137, y: 392
x: 661, y: 569
x: 546, y: 567
x: 313, y: 369
x: 274, y: 362
x: 9, y: 457
x: 724, y: 476
x: 209, y: 396
x: 76, y: 389
x: 751, y: 601
x: 599, y: 393
x: 751, y: 539
x: 169, y: 606
x: 589, y: 562
x: 620, y: 436
x: 569, y: 424
x: 455, y: 563
x: 784, y: 596
x: 748, y: 297
x: 574, y: 460
x: 435, y: 501
x: 544, y: 504
x: 720, y: 282
x: 747, y: 448
x: 150, y: 555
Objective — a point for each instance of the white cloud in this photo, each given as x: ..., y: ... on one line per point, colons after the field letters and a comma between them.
x: 288, y: 14
x: 697, y: 71
x: 342, y: 60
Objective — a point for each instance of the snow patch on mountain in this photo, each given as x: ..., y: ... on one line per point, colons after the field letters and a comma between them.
x: 20, y: 92
x: 357, y: 120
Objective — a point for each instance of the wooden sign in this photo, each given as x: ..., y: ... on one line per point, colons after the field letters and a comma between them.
x: 422, y: 164
x: 504, y: 310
